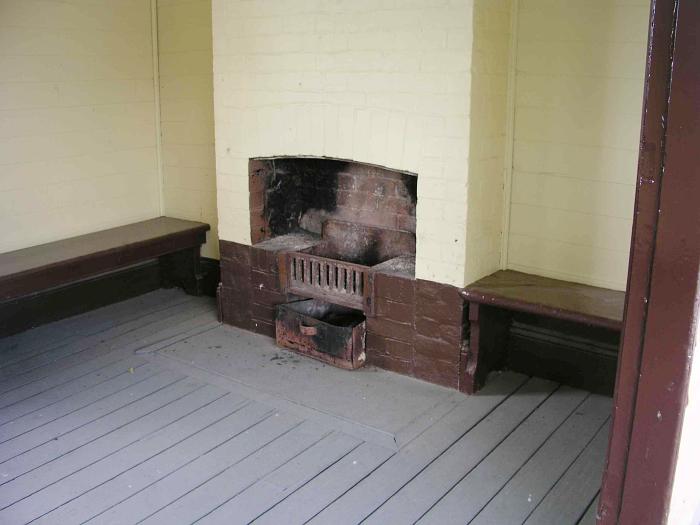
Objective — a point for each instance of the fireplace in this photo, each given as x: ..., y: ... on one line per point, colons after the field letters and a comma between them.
x: 340, y: 236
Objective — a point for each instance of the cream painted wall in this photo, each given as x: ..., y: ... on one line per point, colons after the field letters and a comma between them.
x: 187, y: 113
x: 77, y: 133
x: 375, y: 81
x: 487, y: 138
x: 580, y: 69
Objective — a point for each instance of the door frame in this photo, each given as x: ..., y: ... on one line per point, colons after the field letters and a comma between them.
x: 662, y: 290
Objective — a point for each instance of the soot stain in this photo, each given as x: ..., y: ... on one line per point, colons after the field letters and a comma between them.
x: 298, y: 185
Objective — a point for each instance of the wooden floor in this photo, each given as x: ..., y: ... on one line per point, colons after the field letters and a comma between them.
x: 149, y: 411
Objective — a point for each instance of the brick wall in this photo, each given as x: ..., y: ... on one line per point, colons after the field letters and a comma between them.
x: 187, y: 113
x: 77, y: 126
x: 379, y: 81
x: 577, y: 118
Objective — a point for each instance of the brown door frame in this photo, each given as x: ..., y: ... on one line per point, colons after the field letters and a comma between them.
x: 662, y: 289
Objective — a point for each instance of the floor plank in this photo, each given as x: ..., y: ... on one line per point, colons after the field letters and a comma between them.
x: 514, y: 503
x: 309, y: 500
x: 80, y: 469
x: 590, y: 515
x: 155, y: 500
x: 579, y: 484
x: 475, y: 490
x: 49, y: 398
x: 90, y: 323
x: 274, y: 487
x: 370, y: 493
x: 33, y: 449
x: 420, y: 493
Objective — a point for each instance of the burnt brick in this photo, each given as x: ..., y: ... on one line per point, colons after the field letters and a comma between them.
x: 431, y: 348
x: 391, y: 329
x: 377, y: 344
x: 443, y: 373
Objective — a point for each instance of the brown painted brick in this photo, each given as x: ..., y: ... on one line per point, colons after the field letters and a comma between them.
x: 235, y: 308
x: 263, y: 260
x: 377, y: 344
x: 264, y: 281
x: 391, y: 329
x: 268, y: 297
x: 263, y: 327
x: 439, y: 372
x: 452, y: 333
x: 394, y: 288
x: 235, y: 252
x: 430, y: 348
x: 264, y: 312
x: 401, y: 312
x: 439, y: 301
x: 389, y: 363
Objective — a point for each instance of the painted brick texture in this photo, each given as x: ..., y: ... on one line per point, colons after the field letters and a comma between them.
x: 187, y: 114
x: 77, y: 126
x: 580, y: 72
x: 380, y: 82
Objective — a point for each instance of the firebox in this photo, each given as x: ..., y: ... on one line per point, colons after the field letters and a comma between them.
x: 356, y: 216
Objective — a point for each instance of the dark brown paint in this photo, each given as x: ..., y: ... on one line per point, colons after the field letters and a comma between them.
x: 661, y: 309
x: 38, y: 268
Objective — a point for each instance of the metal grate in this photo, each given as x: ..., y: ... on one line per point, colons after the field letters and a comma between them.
x: 329, y: 279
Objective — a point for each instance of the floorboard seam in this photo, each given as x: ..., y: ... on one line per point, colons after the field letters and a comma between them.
x: 239, y: 407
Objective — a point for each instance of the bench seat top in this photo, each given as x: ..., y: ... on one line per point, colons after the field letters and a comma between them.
x: 38, y: 267
x: 550, y: 297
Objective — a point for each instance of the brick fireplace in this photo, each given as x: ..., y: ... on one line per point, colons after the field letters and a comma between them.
x: 400, y: 91
x: 353, y: 213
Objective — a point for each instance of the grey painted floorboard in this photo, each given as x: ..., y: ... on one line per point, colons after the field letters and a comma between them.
x: 283, y: 481
x: 210, y: 424
x: 266, y: 426
x: 123, y: 330
x: 236, y: 478
x: 73, y: 431
x: 170, y: 449
x: 126, y: 379
x: 419, y: 494
x: 309, y: 500
x: 464, y: 501
x: 590, y: 516
x: 166, y: 416
x: 89, y: 323
x: 370, y: 493
x: 525, y: 491
x: 52, y: 396
x: 580, y: 483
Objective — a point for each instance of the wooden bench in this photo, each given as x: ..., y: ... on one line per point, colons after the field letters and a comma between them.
x: 556, y: 329
x: 98, y: 268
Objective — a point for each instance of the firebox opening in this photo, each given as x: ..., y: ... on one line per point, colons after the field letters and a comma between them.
x: 361, y: 213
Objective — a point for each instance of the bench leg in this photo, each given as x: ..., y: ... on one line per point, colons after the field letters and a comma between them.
x: 488, y: 335
x: 182, y: 269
